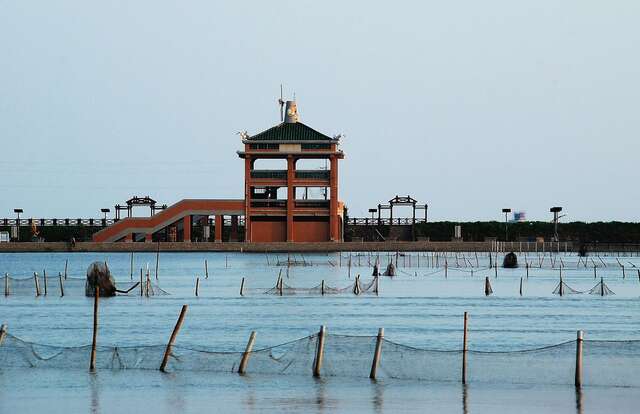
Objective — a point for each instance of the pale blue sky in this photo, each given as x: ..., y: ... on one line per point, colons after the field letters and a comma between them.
x: 469, y: 106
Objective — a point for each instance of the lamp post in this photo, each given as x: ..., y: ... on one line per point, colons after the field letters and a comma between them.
x: 18, y: 211
x: 506, y: 212
x: 555, y: 211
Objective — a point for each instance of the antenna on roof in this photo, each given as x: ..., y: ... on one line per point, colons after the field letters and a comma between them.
x: 281, y: 102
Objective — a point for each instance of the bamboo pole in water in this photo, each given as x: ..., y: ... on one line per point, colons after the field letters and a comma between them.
x: 246, y: 354
x: 66, y: 264
x: 322, y: 287
x: 6, y: 284
x: 376, y: 354
x: 197, y: 285
x: 206, y: 269
x: 317, y: 363
x: 96, y: 298
x: 157, y: 260
x: 464, y: 350
x: 579, y: 339
x: 61, y: 284
x: 172, y: 339
x: 242, y: 287
x: 44, y: 278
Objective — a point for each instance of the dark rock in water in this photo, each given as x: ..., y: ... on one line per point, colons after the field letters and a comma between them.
x: 376, y: 271
x: 582, y: 252
x: 98, y: 274
x: 391, y: 270
x: 510, y: 261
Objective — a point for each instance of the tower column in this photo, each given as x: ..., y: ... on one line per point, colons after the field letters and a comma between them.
x: 334, y: 225
x: 218, y: 231
x: 247, y: 199
x: 290, y: 196
x: 186, y: 224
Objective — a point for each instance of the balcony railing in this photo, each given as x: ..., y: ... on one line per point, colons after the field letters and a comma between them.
x: 312, y: 174
x: 270, y: 174
x: 269, y: 203
x: 312, y: 203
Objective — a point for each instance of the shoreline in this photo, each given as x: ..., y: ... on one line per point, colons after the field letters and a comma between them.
x: 319, y: 247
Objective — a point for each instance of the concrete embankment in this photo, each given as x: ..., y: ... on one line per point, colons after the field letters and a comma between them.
x: 285, y: 247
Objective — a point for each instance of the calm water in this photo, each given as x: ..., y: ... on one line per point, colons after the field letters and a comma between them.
x: 420, y: 307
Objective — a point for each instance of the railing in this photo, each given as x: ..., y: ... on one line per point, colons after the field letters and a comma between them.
x: 368, y: 221
x: 312, y: 203
x: 273, y: 174
x: 58, y: 222
x: 269, y: 203
x: 312, y: 174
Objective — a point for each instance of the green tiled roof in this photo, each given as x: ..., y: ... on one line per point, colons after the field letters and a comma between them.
x: 290, y: 132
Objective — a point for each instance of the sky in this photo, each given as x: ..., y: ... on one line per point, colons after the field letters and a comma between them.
x: 468, y: 106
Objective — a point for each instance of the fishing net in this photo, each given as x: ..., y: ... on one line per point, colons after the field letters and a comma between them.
x: 357, y: 288
x: 605, y: 363
x: 601, y: 289
x: 71, y: 286
x: 563, y: 289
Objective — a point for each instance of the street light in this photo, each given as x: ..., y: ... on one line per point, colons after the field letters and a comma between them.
x: 506, y: 212
x: 18, y: 211
x: 555, y: 211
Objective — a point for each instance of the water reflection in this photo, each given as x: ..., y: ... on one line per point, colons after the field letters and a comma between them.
x: 94, y: 385
x: 320, y: 394
x: 465, y: 408
x: 378, y: 396
x: 578, y: 400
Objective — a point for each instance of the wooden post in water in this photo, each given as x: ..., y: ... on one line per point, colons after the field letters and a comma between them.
x: 44, y: 278
x: 197, y: 285
x: 579, y: 338
x: 623, y: 274
x: 6, y: 283
x: 322, y: 287
x: 206, y: 269
x: 35, y: 279
x: 527, y: 267
x: 317, y: 362
x: 280, y: 286
x: 595, y: 273
x: 3, y: 333
x: 242, y: 287
x: 172, y: 339
x: 446, y: 269
x: 131, y: 266
x: 61, y: 284
x: 141, y: 284
x: 520, y: 286
x: 464, y: 350
x: 94, y: 342
x: 242, y: 368
x: 376, y: 354
x: 487, y: 286
x: 66, y: 263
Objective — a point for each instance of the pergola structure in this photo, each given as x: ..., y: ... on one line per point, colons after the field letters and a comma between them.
x: 402, y: 201
x: 136, y: 201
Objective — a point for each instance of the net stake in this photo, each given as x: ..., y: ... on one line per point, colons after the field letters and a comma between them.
x: 376, y: 354
x: 6, y: 283
x: 172, y: 339
x: 61, y: 284
x: 579, y: 339
x: 96, y: 298
x: 246, y: 354
x: 322, y: 287
x: 206, y: 269
x: 197, y: 285
x: 242, y: 287
x: 317, y: 363
x: 35, y: 279
x: 464, y: 350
